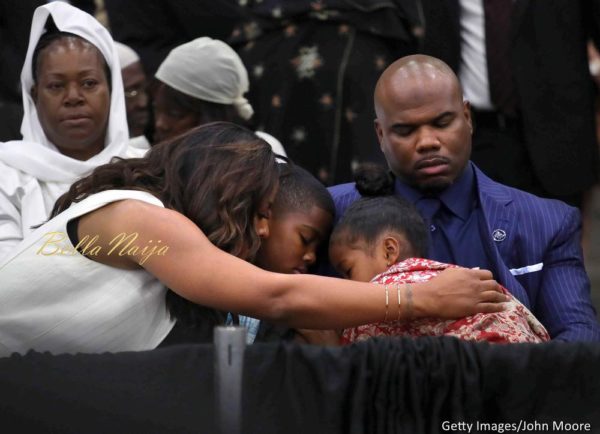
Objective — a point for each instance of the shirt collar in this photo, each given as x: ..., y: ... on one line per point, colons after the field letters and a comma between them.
x: 458, y: 198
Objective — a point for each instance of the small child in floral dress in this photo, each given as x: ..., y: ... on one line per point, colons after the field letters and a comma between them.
x: 382, y: 239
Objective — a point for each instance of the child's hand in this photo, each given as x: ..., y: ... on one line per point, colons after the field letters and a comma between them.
x: 318, y: 337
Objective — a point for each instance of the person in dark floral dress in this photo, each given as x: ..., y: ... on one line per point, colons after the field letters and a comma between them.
x: 313, y: 66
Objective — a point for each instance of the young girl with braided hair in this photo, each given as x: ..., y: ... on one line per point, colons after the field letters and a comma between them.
x: 382, y: 239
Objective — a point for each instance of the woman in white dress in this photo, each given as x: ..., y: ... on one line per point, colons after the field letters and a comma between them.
x: 188, y: 216
x: 74, y: 117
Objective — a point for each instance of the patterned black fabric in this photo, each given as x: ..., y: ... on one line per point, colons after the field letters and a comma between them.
x: 313, y: 66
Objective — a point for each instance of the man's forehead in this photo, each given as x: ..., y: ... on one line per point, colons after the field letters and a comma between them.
x: 439, y: 94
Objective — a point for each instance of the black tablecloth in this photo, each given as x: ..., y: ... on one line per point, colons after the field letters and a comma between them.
x: 379, y: 386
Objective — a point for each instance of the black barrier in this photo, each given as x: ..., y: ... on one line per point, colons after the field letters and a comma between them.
x: 426, y: 385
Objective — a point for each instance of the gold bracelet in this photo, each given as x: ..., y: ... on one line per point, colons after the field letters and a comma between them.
x: 387, y: 302
x: 398, y: 287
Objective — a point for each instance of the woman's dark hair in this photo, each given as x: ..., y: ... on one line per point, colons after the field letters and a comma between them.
x: 51, y: 35
x: 206, y: 111
x: 379, y: 210
x: 216, y: 175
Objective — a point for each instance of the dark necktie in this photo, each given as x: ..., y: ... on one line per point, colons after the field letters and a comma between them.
x: 432, y: 212
x: 428, y: 207
x: 497, y: 44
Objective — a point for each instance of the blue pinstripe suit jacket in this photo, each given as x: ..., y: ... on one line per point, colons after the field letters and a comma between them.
x: 539, y: 260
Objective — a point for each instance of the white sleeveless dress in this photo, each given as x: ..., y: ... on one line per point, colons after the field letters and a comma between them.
x: 69, y: 303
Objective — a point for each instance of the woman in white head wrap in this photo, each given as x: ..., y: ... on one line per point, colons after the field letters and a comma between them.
x: 136, y: 99
x: 71, y: 122
x: 202, y: 81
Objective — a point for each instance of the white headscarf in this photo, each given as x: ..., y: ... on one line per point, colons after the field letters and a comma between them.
x: 210, y: 70
x: 126, y: 55
x: 35, y: 154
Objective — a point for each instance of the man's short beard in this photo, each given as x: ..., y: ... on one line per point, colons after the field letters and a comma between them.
x: 433, y: 188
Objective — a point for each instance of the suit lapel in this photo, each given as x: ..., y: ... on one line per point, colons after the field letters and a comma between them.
x: 498, y: 231
x: 518, y: 13
x: 453, y: 12
x: 519, y: 8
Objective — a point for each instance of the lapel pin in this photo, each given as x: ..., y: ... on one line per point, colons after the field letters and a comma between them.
x: 499, y: 235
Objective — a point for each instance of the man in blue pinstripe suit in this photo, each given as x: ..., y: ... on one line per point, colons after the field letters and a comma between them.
x: 532, y: 245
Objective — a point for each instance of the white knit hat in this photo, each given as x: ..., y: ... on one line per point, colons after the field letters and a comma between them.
x: 209, y: 70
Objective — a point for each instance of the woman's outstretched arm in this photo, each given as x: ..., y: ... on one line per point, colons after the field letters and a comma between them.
x: 202, y: 273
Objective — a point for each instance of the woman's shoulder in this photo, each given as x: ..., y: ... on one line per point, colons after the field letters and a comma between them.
x: 119, y: 194
x: 103, y: 198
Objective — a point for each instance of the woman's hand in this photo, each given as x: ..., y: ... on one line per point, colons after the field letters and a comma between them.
x: 458, y: 292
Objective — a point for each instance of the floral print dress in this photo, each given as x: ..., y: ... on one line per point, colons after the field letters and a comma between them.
x: 313, y: 66
x: 515, y: 324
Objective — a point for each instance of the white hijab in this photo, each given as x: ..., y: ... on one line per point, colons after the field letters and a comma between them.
x: 35, y: 154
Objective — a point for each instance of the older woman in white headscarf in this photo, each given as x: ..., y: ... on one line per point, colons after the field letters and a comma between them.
x: 202, y: 81
x: 74, y: 118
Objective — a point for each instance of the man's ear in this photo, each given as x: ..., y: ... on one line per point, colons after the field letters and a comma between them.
x: 378, y: 131
x: 467, y: 114
x: 391, y: 249
x: 34, y: 93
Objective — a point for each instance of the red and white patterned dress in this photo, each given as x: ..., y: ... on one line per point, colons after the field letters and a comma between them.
x: 515, y: 324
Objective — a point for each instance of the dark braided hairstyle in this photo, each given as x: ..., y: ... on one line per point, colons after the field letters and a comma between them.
x: 379, y: 210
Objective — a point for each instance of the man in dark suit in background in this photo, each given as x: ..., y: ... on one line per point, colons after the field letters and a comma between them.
x: 154, y: 28
x: 523, y: 66
x: 530, y: 244
x: 15, y: 22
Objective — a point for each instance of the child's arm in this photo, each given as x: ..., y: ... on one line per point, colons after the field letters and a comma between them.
x: 318, y: 337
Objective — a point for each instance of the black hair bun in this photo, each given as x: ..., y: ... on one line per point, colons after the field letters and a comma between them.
x: 374, y: 180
